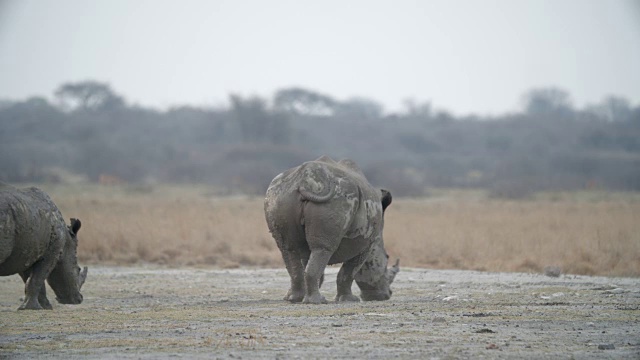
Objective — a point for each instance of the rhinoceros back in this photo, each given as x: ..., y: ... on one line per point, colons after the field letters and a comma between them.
x: 320, y: 180
x: 29, y: 224
x: 8, y: 198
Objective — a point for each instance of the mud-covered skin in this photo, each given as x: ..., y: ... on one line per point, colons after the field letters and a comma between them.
x: 326, y: 212
x: 36, y: 244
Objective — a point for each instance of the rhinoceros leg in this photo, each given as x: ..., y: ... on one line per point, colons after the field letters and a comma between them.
x: 312, y: 275
x: 324, y: 230
x: 345, y: 278
x: 42, y: 298
x: 42, y: 295
x: 305, y: 261
x: 35, y: 284
x: 31, y: 293
x: 293, y: 262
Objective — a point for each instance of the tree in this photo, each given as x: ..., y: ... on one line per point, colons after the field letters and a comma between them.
x: 34, y: 117
x: 302, y: 101
x: 613, y: 108
x: 359, y: 107
x: 418, y: 110
x: 257, y: 123
x: 548, y: 102
x: 88, y: 95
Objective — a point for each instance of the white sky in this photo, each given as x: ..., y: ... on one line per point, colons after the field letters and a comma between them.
x: 463, y: 56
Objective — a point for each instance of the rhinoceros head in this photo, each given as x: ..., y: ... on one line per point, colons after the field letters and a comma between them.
x: 374, y: 278
x: 66, y: 279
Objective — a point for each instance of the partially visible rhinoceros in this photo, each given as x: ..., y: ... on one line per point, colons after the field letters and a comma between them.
x: 36, y: 243
x: 326, y: 212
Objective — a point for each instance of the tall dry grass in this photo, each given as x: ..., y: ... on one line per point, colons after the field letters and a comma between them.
x: 580, y: 236
x: 583, y: 233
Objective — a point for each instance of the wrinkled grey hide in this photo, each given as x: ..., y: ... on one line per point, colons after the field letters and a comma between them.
x: 36, y: 243
x: 325, y: 212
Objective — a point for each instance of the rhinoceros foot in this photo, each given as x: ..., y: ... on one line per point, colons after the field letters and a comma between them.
x: 347, y: 298
x: 32, y: 304
x: 46, y: 305
x: 44, y: 302
x: 314, y: 299
x: 294, y: 296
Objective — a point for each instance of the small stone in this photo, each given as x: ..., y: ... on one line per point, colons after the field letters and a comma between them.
x: 485, y: 331
x: 552, y: 271
x: 615, y: 291
x: 606, y: 347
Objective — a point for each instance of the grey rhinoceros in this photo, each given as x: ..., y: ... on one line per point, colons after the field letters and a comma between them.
x: 326, y: 212
x: 36, y: 243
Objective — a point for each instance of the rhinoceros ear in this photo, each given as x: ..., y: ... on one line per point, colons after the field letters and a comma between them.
x: 75, y: 226
x: 386, y: 198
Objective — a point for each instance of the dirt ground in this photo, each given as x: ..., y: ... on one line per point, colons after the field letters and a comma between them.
x: 152, y: 312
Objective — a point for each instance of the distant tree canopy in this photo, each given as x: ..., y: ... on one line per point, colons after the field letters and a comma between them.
x: 91, y: 134
x: 548, y: 101
x: 302, y: 101
x: 615, y: 108
x: 88, y: 95
x: 257, y: 123
x: 360, y: 108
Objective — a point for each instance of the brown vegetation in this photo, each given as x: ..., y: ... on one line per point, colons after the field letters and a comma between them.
x: 582, y: 233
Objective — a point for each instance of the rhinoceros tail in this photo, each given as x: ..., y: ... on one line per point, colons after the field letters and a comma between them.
x: 309, y: 196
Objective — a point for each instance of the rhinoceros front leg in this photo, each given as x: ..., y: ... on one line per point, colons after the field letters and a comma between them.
x: 42, y: 295
x: 345, y: 278
x: 34, y: 285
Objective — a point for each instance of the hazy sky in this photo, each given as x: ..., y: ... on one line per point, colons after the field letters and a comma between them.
x: 463, y: 56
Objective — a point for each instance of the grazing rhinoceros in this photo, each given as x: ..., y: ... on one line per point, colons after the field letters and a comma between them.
x: 36, y: 243
x: 326, y: 212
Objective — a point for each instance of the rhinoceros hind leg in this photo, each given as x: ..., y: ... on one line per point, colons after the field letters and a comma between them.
x: 305, y: 261
x: 293, y: 262
x: 316, y: 298
x: 294, y: 296
x: 313, y: 272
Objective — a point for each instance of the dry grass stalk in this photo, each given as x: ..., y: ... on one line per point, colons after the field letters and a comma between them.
x: 187, y: 226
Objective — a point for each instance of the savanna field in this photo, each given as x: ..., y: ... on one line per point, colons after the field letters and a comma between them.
x: 183, y: 272
x: 588, y: 233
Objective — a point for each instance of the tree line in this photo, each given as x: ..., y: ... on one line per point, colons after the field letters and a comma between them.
x: 90, y: 132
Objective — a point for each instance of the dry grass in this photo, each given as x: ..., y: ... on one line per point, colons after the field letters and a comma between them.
x: 581, y: 236
x: 168, y: 225
x: 582, y: 233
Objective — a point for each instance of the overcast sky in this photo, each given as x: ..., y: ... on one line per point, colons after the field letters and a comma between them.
x: 463, y: 56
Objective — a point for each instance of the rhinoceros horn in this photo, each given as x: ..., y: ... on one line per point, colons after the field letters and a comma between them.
x: 391, y: 273
x: 82, y: 277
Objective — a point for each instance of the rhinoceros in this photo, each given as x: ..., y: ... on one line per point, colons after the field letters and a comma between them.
x: 325, y: 212
x: 36, y: 243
